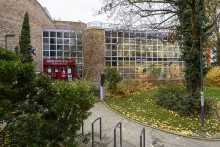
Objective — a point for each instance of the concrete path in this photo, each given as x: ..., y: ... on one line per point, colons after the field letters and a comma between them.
x: 131, y: 132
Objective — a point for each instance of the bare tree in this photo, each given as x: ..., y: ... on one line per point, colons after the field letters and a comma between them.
x: 156, y: 14
x: 189, y: 18
x: 144, y: 13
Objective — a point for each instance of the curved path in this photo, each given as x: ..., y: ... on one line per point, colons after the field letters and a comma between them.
x: 131, y: 132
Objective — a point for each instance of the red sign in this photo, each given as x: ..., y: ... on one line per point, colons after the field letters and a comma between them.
x: 59, y: 62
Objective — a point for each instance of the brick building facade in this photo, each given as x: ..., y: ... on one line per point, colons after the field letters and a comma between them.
x: 62, y: 46
x: 11, y: 18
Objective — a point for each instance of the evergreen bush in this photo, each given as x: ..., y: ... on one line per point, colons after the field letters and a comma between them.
x: 54, y: 115
x: 7, y: 55
x: 37, y: 110
x: 112, y: 77
x: 173, y: 96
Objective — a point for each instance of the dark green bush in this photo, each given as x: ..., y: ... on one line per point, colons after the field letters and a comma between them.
x: 173, y: 96
x: 16, y: 83
x: 55, y: 115
x: 37, y: 110
x: 112, y: 77
x: 8, y: 55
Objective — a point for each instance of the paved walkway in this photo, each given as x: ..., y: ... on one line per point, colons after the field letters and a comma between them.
x: 131, y: 132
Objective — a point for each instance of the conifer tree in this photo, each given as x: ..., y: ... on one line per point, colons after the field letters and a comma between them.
x: 25, y: 40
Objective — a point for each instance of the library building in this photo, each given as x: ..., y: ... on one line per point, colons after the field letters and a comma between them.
x: 67, y: 50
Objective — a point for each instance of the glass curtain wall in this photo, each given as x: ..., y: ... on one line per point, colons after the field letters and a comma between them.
x: 63, y: 44
x: 134, y: 53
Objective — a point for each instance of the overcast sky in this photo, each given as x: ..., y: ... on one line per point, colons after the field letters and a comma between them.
x: 74, y: 10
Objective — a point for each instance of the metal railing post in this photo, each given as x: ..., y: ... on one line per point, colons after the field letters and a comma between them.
x: 120, y: 134
x: 82, y: 128
x: 93, y: 130
x: 142, y: 138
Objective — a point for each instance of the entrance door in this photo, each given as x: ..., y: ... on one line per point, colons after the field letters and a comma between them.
x: 67, y: 73
x: 70, y: 73
x: 55, y: 73
x: 59, y: 69
x: 48, y: 70
x: 64, y: 73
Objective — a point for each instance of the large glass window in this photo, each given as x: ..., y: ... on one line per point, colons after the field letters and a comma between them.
x: 46, y: 54
x: 45, y: 34
x: 79, y: 41
x: 59, y: 54
x: 66, y: 47
x: 53, y: 54
x: 46, y: 47
x: 129, y: 50
x: 59, y: 47
x: 52, y: 47
x: 66, y: 41
x: 63, y: 44
x: 59, y: 34
x: 66, y: 34
x: 52, y: 34
x: 46, y: 40
x: 73, y: 48
x: 52, y: 40
x: 60, y: 41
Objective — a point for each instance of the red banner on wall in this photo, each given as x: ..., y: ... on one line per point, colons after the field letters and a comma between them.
x: 59, y: 62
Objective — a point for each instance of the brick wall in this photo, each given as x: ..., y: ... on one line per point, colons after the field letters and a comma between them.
x: 11, y: 18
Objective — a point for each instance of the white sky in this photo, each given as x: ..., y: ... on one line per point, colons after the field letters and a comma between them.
x: 74, y: 10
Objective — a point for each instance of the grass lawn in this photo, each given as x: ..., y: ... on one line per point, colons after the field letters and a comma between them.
x: 141, y: 107
x: 212, y: 93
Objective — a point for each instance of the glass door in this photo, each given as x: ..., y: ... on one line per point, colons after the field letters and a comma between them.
x: 49, y: 71
x: 64, y: 73
x: 70, y: 73
x: 55, y: 73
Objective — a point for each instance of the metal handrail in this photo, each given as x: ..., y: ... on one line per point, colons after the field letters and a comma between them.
x: 82, y: 128
x: 93, y: 130
x: 142, y: 138
x: 120, y: 134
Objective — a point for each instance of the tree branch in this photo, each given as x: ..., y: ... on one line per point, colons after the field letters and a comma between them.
x: 165, y: 20
x: 150, y: 1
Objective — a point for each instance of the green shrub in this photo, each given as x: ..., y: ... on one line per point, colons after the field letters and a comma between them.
x: 49, y: 112
x: 8, y: 55
x: 16, y: 83
x: 53, y: 114
x: 71, y: 104
x: 174, y: 97
x: 171, y: 97
x: 112, y: 77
